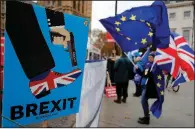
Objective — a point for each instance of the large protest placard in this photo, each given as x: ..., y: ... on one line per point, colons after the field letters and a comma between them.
x: 44, y: 63
x: 1, y: 72
x: 91, y: 95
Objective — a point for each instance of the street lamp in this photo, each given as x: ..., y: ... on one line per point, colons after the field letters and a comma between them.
x: 116, y: 3
x: 115, y: 45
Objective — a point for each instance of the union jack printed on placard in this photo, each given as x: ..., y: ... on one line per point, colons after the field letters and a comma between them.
x: 52, y: 81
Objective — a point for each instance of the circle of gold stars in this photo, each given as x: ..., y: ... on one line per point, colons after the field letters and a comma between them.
x: 133, y: 18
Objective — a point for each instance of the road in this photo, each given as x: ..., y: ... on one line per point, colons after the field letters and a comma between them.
x: 178, y: 110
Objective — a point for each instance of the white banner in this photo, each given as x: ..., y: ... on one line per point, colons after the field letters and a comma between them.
x: 91, y: 94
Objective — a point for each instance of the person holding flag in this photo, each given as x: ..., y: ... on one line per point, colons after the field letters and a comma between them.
x: 148, y: 88
x: 137, y: 77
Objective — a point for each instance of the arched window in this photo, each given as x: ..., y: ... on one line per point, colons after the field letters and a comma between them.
x: 74, y: 4
x: 78, y: 5
x: 83, y: 5
x: 53, y: 2
x: 59, y: 3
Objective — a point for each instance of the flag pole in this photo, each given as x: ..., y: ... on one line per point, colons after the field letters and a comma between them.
x: 116, y: 6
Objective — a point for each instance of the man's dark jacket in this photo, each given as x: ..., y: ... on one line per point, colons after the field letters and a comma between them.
x: 123, y: 70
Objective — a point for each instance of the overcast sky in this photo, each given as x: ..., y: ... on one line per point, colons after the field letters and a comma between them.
x: 104, y: 9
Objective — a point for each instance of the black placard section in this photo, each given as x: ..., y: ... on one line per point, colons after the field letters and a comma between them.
x: 27, y: 39
x: 55, y: 18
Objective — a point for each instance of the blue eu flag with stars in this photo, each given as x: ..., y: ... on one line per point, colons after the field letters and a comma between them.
x: 159, y: 81
x: 139, y: 27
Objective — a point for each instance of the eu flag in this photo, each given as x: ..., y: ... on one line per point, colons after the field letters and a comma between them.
x: 159, y: 80
x: 145, y: 57
x: 138, y: 27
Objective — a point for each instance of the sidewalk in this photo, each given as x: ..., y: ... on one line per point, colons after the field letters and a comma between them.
x: 66, y: 122
x: 178, y: 110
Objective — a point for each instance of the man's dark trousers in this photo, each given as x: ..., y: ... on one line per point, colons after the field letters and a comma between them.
x: 122, y: 89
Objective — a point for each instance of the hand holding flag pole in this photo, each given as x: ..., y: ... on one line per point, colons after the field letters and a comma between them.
x: 130, y: 59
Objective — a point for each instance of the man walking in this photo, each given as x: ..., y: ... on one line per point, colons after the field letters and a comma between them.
x: 122, y: 68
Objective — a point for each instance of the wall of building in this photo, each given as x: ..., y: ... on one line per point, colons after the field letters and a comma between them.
x: 179, y: 23
x: 3, y: 13
x: 82, y: 8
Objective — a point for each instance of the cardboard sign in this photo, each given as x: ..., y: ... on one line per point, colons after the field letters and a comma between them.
x: 44, y: 62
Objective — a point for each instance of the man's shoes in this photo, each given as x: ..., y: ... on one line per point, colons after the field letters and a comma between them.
x: 136, y: 95
x: 144, y: 120
x: 124, y: 100
x: 117, y: 101
x: 141, y: 118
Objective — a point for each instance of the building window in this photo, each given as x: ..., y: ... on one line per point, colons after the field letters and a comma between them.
x: 173, y: 29
x: 78, y: 5
x: 172, y: 15
x: 83, y: 6
x: 53, y: 2
x: 59, y: 3
x: 2, y: 25
x: 187, y: 14
x: 3, y: 9
x: 172, y: 2
x: 179, y: 1
x: 74, y: 4
x: 186, y: 34
x: 166, y: 1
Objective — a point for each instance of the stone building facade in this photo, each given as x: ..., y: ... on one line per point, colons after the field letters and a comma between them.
x: 181, y: 18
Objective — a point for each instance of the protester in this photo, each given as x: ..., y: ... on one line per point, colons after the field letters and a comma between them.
x: 122, y: 69
x: 110, y: 69
x: 148, y: 89
x: 137, y: 78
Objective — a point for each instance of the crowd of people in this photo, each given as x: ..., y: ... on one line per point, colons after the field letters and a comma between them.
x: 123, y: 69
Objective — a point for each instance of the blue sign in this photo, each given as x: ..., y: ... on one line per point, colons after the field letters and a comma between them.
x: 45, y: 54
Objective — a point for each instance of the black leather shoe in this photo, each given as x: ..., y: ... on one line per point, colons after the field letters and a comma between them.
x: 141, y: 118
x: 136, y: 95
x: 124, y: 100
x: 117, y: 101
x: 144, y: 120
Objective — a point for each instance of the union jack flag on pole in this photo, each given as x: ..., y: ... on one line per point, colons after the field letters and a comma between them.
x: 186, y: 55
x: 177, y: 59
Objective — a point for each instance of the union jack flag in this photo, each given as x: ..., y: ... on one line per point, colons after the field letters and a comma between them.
x: 168, y: 59
x: 186, y: 55
x: 52, y: 81
x: 177, y: 59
